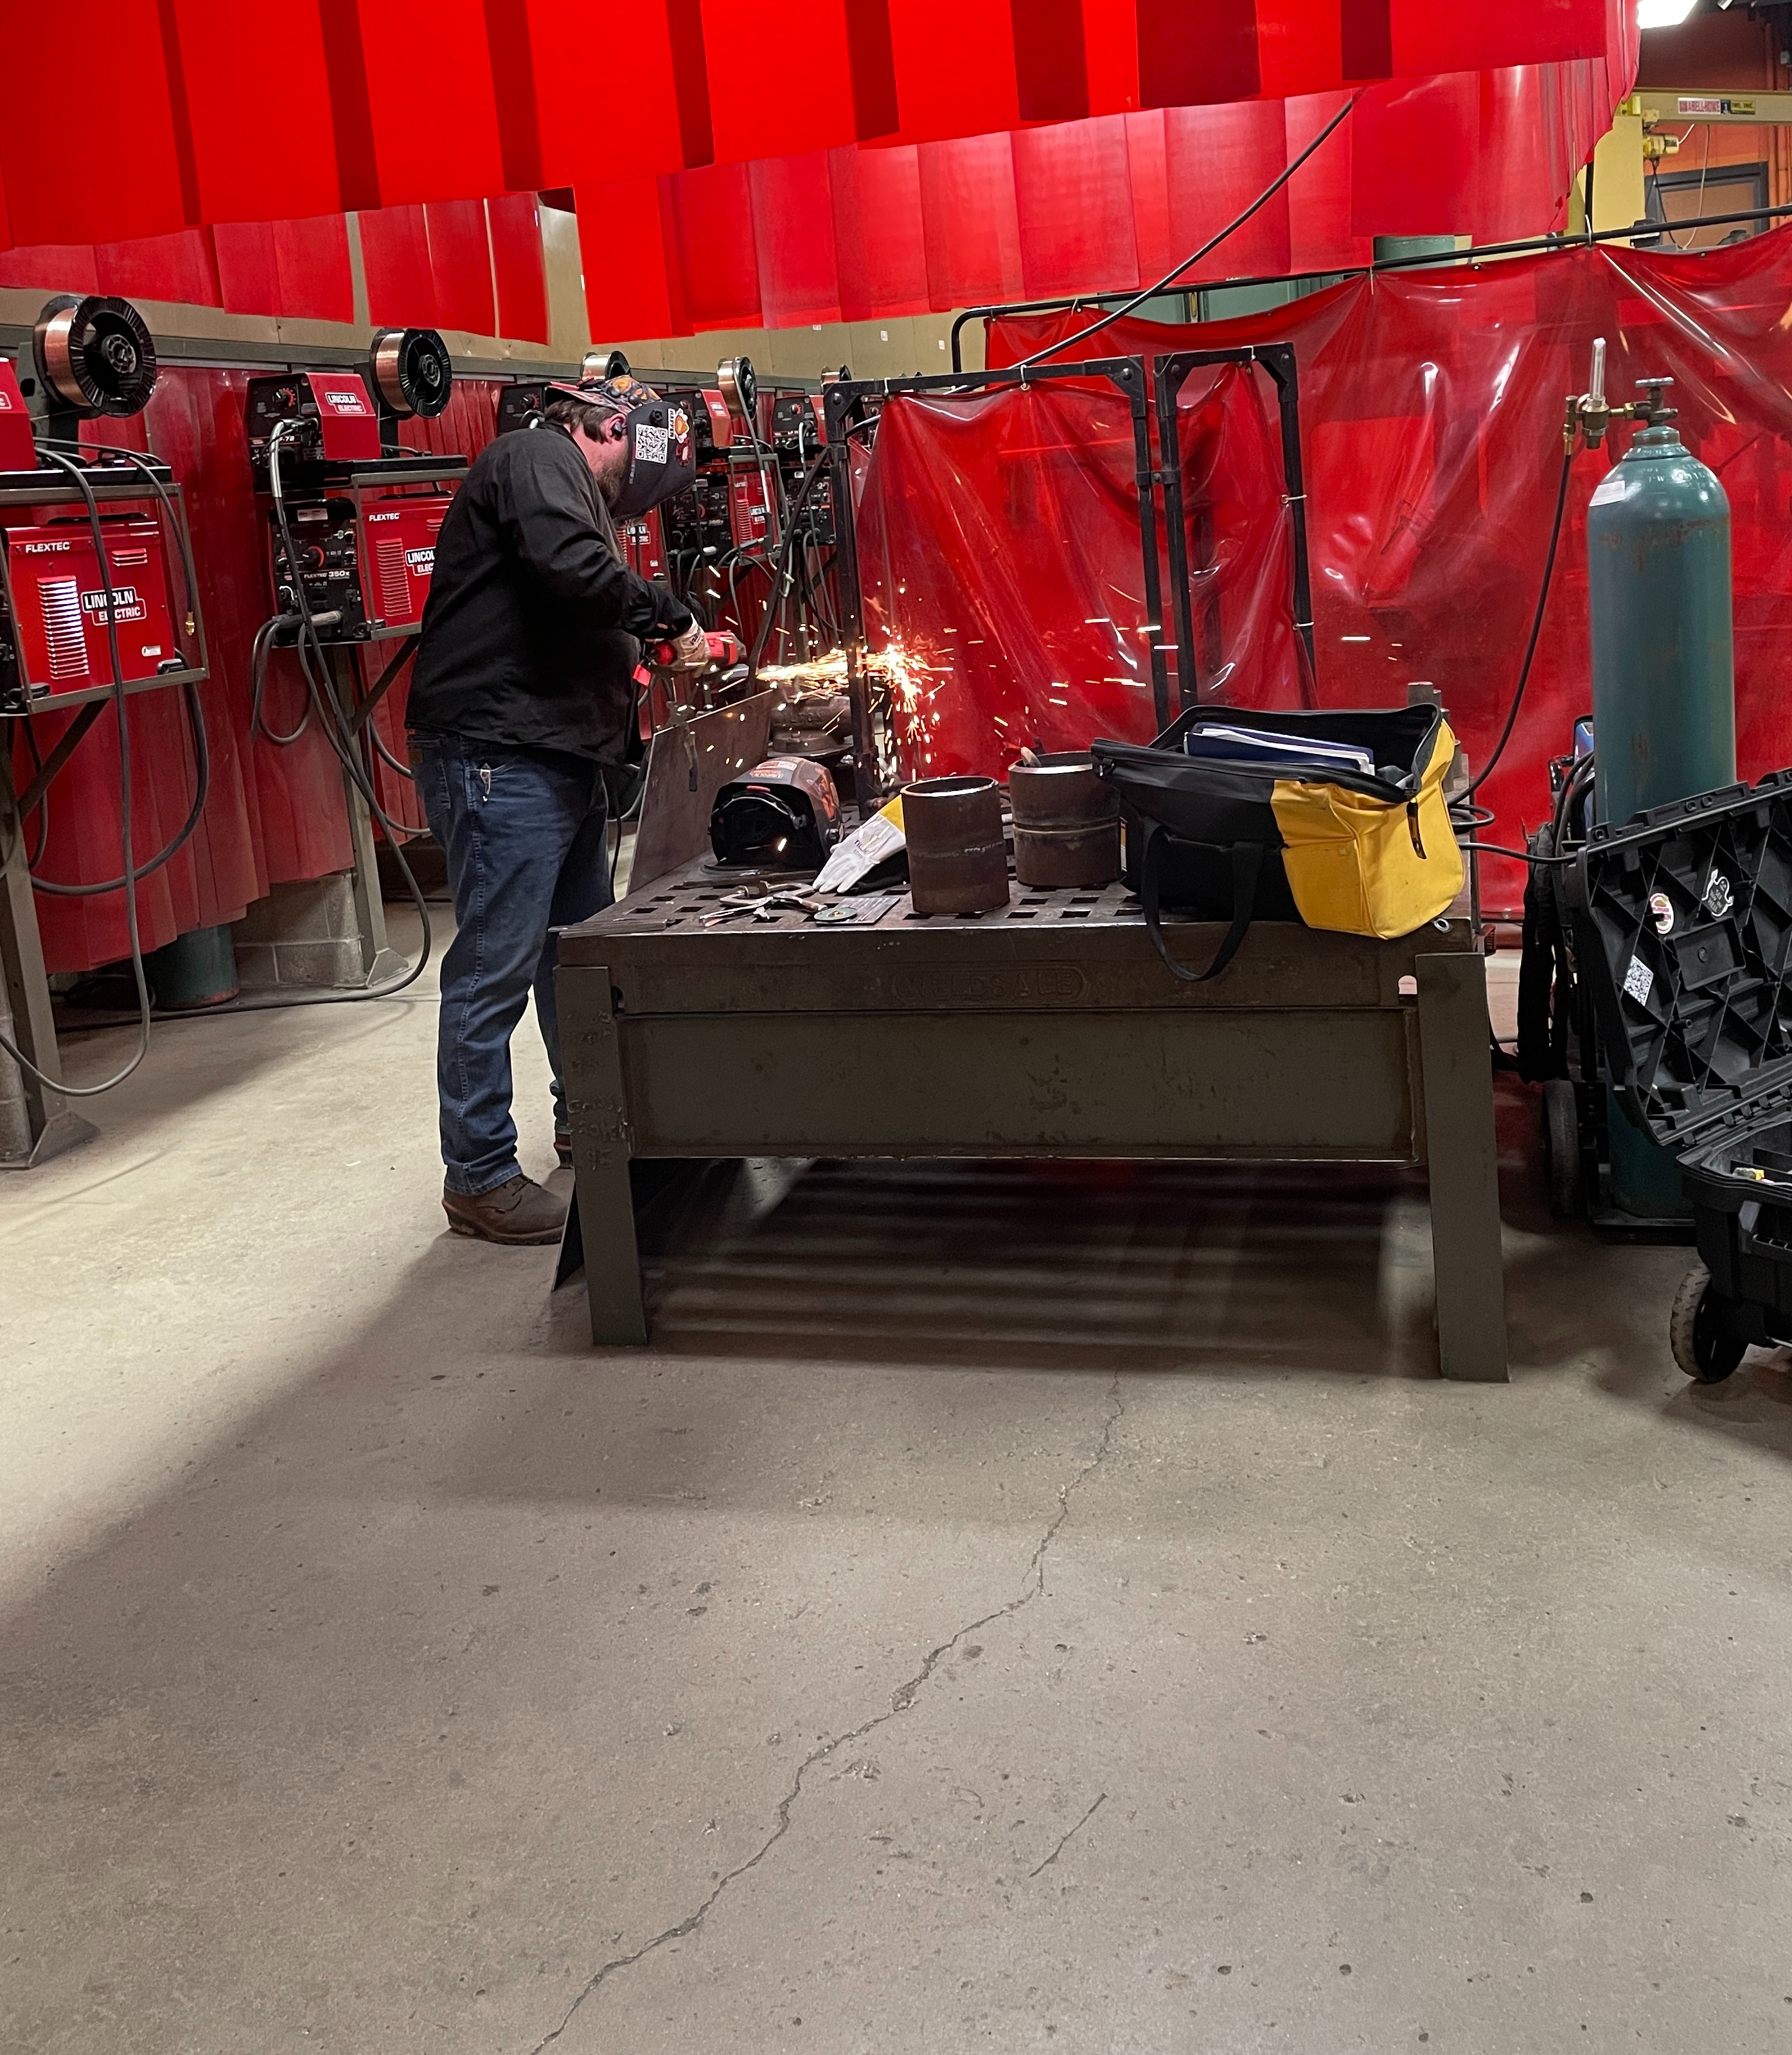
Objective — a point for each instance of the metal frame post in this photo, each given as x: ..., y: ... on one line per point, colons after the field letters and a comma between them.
x: 847, y: 402
x: 1169, y: 374
x: 47, y: 1127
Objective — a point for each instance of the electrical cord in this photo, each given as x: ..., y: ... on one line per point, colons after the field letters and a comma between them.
x: 258, y: 684
x: 1188, y: 263
x: 785, y: 547
x: 51, y: 445
x: 129, y: 881
x: 1536, y: 633
x: 330, y: 721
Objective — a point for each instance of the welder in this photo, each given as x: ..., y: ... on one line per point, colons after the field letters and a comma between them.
x: 524, y: 689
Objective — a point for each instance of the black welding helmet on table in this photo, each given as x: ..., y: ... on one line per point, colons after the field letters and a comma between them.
x: 783, y: 814
x: 662, y: 452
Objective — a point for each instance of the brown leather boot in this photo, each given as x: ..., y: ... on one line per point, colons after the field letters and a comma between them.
x: 520, y: 1213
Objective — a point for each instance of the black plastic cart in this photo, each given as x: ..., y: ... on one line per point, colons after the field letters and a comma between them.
x: 1682, y: 923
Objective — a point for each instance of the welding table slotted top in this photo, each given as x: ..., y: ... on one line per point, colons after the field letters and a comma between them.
x: 1048, y: 1028
x: 667, y: 946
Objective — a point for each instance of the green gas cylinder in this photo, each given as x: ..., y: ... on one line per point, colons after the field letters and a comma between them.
x: 1663, y: 677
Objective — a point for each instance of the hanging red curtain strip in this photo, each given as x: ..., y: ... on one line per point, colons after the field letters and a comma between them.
x: 879, y: 242
x: 971, y: 219
x: 394, y: 258
x: 717, y: 252
x: 517, y: 271
x: 793, y: 239
x: 460, y: 266
x: 1220, y: 158
x: 1073, y: 205
x: 633, y: 276
x: 240, y: 65
x: 502, y: 92
x: 430, y: 102
x: 62, y: 183
x: 51, y: 267
x: 181, y: 267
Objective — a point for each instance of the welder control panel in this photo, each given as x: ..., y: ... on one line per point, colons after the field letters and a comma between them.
x: 53, y: 609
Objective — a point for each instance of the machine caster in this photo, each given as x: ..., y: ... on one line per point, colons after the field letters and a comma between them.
x: 1561, y: 1150
x: 1695, y: 1328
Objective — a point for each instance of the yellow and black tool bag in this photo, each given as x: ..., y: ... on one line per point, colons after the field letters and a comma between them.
x: 1297, y: 836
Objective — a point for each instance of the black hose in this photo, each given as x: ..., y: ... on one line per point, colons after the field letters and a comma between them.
x: 785, y: 547
x: 53, y: 888
x: 258, y: 684
x: 129, y: 881
x: 1188, y: 263
x: 1469, y: 791
x: 330, y: 721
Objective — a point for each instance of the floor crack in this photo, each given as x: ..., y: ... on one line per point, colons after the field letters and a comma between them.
x: 1069, y: 1834
x: 902, y: 1699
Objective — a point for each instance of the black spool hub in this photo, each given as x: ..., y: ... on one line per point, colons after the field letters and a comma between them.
x: 95, y: 356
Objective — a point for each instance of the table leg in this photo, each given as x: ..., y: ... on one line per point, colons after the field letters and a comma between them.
x: 591, y: 1056
x: 1464, y: 1165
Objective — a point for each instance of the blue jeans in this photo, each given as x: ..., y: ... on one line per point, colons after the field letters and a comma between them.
x: 524, y: 833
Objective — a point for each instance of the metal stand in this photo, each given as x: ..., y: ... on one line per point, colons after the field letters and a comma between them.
x: 378, y: 960
x: 36, y: 1125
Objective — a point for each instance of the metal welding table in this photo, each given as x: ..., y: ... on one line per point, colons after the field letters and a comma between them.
x: 1048, y: 1030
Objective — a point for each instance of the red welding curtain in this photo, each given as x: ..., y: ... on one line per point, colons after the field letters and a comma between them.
x: 1431, y: 411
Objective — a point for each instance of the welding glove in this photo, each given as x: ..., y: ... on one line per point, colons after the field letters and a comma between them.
x: 690, y: 649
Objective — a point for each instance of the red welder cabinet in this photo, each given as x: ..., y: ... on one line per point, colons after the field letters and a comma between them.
x: 398, y: 545
x: 56, y: 599
x: 366, y: 559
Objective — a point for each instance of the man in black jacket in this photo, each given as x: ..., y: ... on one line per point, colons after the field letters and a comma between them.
x: 524, y: 687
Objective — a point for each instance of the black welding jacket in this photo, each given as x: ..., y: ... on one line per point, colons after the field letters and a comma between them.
x: 532, y: 631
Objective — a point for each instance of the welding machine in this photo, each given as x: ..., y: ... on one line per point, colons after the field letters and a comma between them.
x: 90, y: 358
x: 353, y: 522
x: 784, y: 813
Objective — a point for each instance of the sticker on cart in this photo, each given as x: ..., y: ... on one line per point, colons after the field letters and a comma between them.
x: 1661, y: 912
x: 1639, y: 980
x: 1719, y: 896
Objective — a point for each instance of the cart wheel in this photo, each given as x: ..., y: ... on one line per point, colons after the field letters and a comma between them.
x: 1701, y: 1348
x: 1561, y: 1150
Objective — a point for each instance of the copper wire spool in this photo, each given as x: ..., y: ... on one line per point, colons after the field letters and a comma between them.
x: 411, y: 371
x: 740, y: 388
x: 95, y: 355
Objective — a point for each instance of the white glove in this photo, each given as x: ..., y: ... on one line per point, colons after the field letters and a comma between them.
x: 692, y: 648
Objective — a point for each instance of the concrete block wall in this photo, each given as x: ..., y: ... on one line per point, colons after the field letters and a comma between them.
x: 301, y: 935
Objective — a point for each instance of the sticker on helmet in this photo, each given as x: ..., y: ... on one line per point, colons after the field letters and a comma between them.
x: 650, y: 444
x: 1661, y: 912
x: 1719, y: 896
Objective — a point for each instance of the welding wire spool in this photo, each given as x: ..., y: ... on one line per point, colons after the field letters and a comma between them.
x: 740, y: 388
x: 1066, y: 822
x: 958, y: 858
x: 95, y: 355
x: 411, y: 371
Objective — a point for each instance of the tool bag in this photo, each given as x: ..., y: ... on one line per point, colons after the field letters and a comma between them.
x: 1358, y: 852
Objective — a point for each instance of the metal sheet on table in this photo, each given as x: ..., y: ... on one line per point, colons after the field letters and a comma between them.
x: 687, y: 765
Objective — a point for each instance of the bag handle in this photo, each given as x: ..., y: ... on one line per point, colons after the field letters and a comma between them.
x: 1247, y: 861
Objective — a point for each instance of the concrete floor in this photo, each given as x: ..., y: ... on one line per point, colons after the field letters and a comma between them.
x: 1004, y: 1609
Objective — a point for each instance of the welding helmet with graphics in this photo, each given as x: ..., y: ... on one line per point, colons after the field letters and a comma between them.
x: 662, y: 453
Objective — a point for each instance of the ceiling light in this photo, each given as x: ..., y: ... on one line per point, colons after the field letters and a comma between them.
x: 1663, y: 13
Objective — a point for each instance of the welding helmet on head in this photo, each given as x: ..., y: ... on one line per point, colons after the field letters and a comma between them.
x: 662, y: 454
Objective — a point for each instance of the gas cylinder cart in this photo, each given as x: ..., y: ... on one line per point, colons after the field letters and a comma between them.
x: 1683, y: 933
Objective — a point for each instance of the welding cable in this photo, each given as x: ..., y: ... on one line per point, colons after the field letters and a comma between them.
x: 1188, y: 263
x: 129, y: 881
x: 258, y: 684
x: 195, y: 712
x: 1469, y: 791
x: 785, y: 549
x: 202, y: 792
x: 342, y: 746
